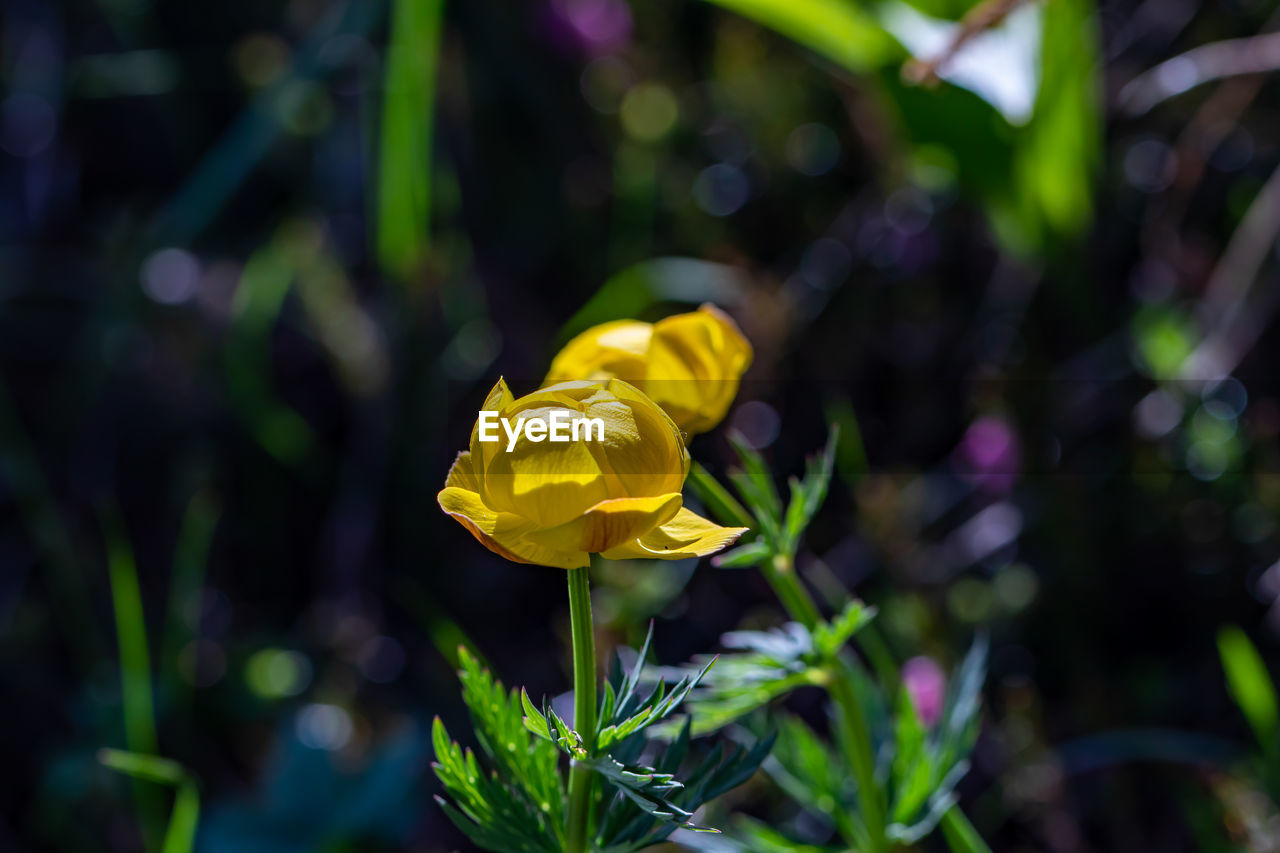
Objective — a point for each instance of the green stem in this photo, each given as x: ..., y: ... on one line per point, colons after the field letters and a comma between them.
x: 781, y: 574
x: 584, y: 707
x: 857, y: 740
x: 960, y: 834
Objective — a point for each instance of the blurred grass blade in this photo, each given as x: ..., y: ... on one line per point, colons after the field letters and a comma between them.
x: 960, y: 834
x: 187, y: 581
x: 148, y: 768
x: 755, y: 482
x: 838, y: 29
x: 184, y: 819
x: 258, y: 302
x: 635, y: 289
x: 408, y: 112
x: 1250, y: 683
x: 131, y: 636
x: 135, y: 668
x: 1062, y: 146
x: 720, y: 503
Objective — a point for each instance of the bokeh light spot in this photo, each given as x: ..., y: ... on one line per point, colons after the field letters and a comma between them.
x: 721, y: 189
x: 277, y: 673
x: 171, y: 276
x: 649, y: 111
x: 813, y: 149
x: 321, y: 726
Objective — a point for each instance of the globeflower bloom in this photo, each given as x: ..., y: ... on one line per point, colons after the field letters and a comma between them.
x: 689, y: 364
x: 553, y: 504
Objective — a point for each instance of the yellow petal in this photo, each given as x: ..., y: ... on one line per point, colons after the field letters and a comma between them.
x: 609, y: 524
x: 550, y: 483
x: 462, y: 474
x: 498, y: 400
x: 643, y: 452
x: 695, y: 362
x: 503, y: 533
x: 610, y: 349
x: 686, y: 535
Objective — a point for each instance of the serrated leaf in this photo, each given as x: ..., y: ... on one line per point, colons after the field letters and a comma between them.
x: 499, y: 721
x: 755, y: 483
x: 658, y: 707
x: 830, y: 637
x: 807, y: 495
x: 713, y: 774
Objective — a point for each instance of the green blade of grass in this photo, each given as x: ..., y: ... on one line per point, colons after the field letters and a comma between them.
x: 408, y: 112
x: 184, y: 818
x: 721, y: 504
x: 131, y: 638
x: 135, y: 668
x: 1250, y: 683
x: 190, y: 556
x: 839, y: 30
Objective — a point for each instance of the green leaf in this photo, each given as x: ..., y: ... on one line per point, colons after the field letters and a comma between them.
x: 534, y: 721
x: 408, y: 113
x: 1249, y: 683
x: 655, y: 708
x: 960, y: 716
x: 1060, y: 149
x: 493, y: 813
x: 830, y: 637
x: 755, y: 483
x: 184, y: 818
x: 751, y: 554
x: 808, y: 494
x: 912, y: 767
x: 720, y: 503
x: 775, y: 663
x: 632, y: 291
x: 840, y: 31
x: 646, y: 787
x: 713, y: 775
x: 755, y: 837
x: 808, y: 769
x: 149, y: 768
x: 499, y: 721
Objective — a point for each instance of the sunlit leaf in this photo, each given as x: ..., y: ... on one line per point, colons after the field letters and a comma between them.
x: 1249, y: 682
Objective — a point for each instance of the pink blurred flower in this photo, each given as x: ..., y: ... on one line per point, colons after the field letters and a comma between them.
x: 988, y: 455
x: 593, y: 26
x: 926, y: 684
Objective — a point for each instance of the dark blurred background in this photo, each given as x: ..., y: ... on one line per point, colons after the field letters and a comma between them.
x: 260, y: 262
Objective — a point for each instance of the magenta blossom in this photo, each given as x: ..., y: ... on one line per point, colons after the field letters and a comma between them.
x: 594, y: 27
x: 988, y: 456
x: 926, y: 684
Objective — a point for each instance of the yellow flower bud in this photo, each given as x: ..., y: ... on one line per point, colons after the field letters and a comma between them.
x: 689, y: 364
x: 615, y: 492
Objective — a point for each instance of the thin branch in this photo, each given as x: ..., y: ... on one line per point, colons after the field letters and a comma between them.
x: 1231, y: 58
x: 980, y: 18
x: 1232, y: 331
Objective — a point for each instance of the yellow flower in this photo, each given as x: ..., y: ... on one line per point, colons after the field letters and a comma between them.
x: 689, y: 364
x: 554, y: 503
